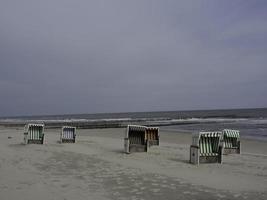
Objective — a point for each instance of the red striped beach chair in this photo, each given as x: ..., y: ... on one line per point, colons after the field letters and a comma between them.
x: 152, y: 136
x: 135, y: 139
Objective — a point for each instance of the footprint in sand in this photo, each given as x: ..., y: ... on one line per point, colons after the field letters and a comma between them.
x: 134, y: 191
x: 4, y: 187
x: 64, y: 185
x: 138, y: 184
x: 155, y: 190
x: 116, y: 194
x: 187, y: 192
x: 165, y: 186
x: 220, y: 196
x: 120, y: 187
x: 142, y: 188
x: 237, y: 195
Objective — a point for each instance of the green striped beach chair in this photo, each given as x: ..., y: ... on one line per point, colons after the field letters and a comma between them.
x: 206, y: 148
x: 34, y: 134
x: 152, y: 136
x: 135, y: 140
x: 68, y: 134
x: 231, y: 141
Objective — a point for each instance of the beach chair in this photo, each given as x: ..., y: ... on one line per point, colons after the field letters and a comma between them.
x: 206, y: 148
x: 152, y: 136
x: 135, y: 139
x: 34, y: 134
x: 68, y: 134
x: 231, y: 141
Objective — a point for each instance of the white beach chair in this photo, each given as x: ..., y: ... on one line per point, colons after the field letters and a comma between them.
x: 140, y: 138
x: 68, y: 134
x: 231, y: 141
x: 34, y: 134
x: 134, y: 140
x: 206, y: 148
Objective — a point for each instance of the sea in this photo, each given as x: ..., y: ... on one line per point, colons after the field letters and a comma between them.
x: 252, y: 123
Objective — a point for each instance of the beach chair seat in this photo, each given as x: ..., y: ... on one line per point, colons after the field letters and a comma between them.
x: 68, y: 134
x: 231, y: 141
x: 134, y: 140
x: 206, y: 148
x: 34, y: 134
x: 152, y: 136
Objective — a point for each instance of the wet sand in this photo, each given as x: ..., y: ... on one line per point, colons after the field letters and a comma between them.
x: 96, y: 168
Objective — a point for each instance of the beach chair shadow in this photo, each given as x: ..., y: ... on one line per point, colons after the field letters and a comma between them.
x: 17, y: 145
x: 185, y: 161
x: 118, y: 151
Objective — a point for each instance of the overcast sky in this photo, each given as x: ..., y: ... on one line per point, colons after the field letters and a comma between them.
x: 80, y: 56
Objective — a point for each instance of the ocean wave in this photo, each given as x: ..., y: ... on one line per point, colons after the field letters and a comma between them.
x: 158, y: 120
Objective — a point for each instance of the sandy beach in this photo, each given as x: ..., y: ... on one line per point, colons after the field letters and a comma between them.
x: 95, y: 167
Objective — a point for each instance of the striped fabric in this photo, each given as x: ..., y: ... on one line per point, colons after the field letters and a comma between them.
x: 209, y: 143
x: 136, y: 134
x: 230, y: 138
x: 136, y: 128
x: 152, y: 133
x: 68, y: 133
x: 35, y: 131
x: 231, y: 133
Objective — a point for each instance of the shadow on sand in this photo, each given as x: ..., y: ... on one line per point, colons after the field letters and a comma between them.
x: 17, y: 145
x: 180, y: 160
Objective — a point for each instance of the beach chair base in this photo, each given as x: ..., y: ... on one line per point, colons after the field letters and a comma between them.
x: 67, y: 141
x: 129, y: 148
x: 196, y: 158
x: 30, y: 141
x: 25, y: 138
x: 126, y: 145
x: 230, y: 151
x: 209, y: 159
x: 236, y: 150
x: 138, y: 148
x: 194, y: 155
x: 153, y: 143
x: 35, y: 142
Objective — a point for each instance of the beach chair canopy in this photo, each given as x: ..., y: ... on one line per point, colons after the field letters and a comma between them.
x: 231, y: 133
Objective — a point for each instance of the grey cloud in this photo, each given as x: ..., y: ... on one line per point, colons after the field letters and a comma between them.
x: 112, y: 56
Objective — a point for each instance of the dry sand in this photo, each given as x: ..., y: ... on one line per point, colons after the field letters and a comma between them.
x: 96, y: 168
